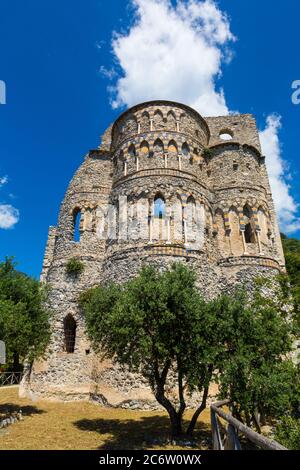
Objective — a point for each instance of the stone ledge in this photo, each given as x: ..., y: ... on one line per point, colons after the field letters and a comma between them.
x: 173, y: 172
x: 248, y: 260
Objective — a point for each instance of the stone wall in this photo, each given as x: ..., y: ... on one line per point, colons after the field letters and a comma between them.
x: 217, y: 216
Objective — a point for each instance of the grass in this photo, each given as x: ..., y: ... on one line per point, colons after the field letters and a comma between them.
x: 82, y: 425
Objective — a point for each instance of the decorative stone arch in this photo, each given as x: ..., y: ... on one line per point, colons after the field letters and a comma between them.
x: 145, y: 123
x: 70, y: 326
x: 186, y: 150
x: 222, y: 232
x: 158, y: 120
x: 144, y: 148
x: 131, y: 151
x: 171, y: 121
x: 172, y: 147
x: 130, y: 125
x: 158, y: 146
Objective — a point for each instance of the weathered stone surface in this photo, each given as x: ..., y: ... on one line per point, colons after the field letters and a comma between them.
x: 219, y: 218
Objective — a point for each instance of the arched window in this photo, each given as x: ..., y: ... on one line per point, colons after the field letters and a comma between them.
x: 145, y: 122
x: 131, y: 150
x: 172, y: 147
x: 159, y: 207
x: 144, y: 148
x: 191, y: 206
x: 171, y: 121
x: 249, y: 232
x: 185, y: 149
x: 76, y: 224
x: 158, y: 146
x: 70, y: 333
x: 130, y: 125
x: 158, y: 121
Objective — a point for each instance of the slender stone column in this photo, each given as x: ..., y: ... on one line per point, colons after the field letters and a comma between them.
x: 244, y: 242
x: 179, y: 162
x: 259, y: 242
x: 168, y: 229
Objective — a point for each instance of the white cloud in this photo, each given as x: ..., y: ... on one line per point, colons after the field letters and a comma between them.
x: 9, y: 216
x: 285, y: 204
x: 174, y: 53
x: 3, y: 180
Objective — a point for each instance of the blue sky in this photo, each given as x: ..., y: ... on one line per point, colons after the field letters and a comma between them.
x: 56, y: 58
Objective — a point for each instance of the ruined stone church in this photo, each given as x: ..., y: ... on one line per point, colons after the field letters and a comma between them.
x: 165, y: 185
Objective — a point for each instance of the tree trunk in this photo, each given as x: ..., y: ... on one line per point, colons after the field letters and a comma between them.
x: 197, y: 413
x: 175, y: 418
x: 16, y: 363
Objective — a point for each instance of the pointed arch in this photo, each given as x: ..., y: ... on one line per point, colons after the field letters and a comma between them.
x: 131, y: 150
x: 69, y: 333
x: 145, y: 122
x: 250, y: 236
x: 130, y: 125
x: 158, y: 146
x: 144, y: 148
x: 159, y: 206
x: 158, y: 120
x: 171, y: 121
x: 185, y: 149
x: 172, y: 147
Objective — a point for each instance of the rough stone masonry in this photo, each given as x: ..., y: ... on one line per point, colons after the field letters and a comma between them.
x: 165, y: 185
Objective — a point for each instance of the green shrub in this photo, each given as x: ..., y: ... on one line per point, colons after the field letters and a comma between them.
x: 207, y: 153
x: 74, y: 267
x: 288, y: 433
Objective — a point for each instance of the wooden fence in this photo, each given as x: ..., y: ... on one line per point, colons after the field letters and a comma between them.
x: 227, y: 437
x: 10, y: 378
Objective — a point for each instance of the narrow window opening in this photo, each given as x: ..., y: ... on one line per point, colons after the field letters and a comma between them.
x: 159, y: 207
x: 77, y: 220
x: 70, y: 333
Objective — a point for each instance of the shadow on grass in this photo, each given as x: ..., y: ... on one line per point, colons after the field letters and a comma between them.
x: 147, y: 432
x: 10, y: 408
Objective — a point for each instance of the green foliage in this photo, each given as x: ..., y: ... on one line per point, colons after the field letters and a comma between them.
x: 207, y: 153
x: 291, y: 247
x: 24, y: 321
x: 288, y: 433
x: 74, y: 267
x: 257, y: 374
x: 158, y: 324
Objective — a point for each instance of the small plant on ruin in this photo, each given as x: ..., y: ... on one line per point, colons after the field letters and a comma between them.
x: 74, y: 267
x: 207, y: 153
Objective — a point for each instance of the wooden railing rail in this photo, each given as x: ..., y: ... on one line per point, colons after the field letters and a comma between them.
x: 234, y: 427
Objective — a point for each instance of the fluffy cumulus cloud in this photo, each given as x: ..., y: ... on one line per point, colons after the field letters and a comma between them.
x: 9, y: 216
x: 278, y: 173
x: 176, y: 52
x: 173, y: 52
